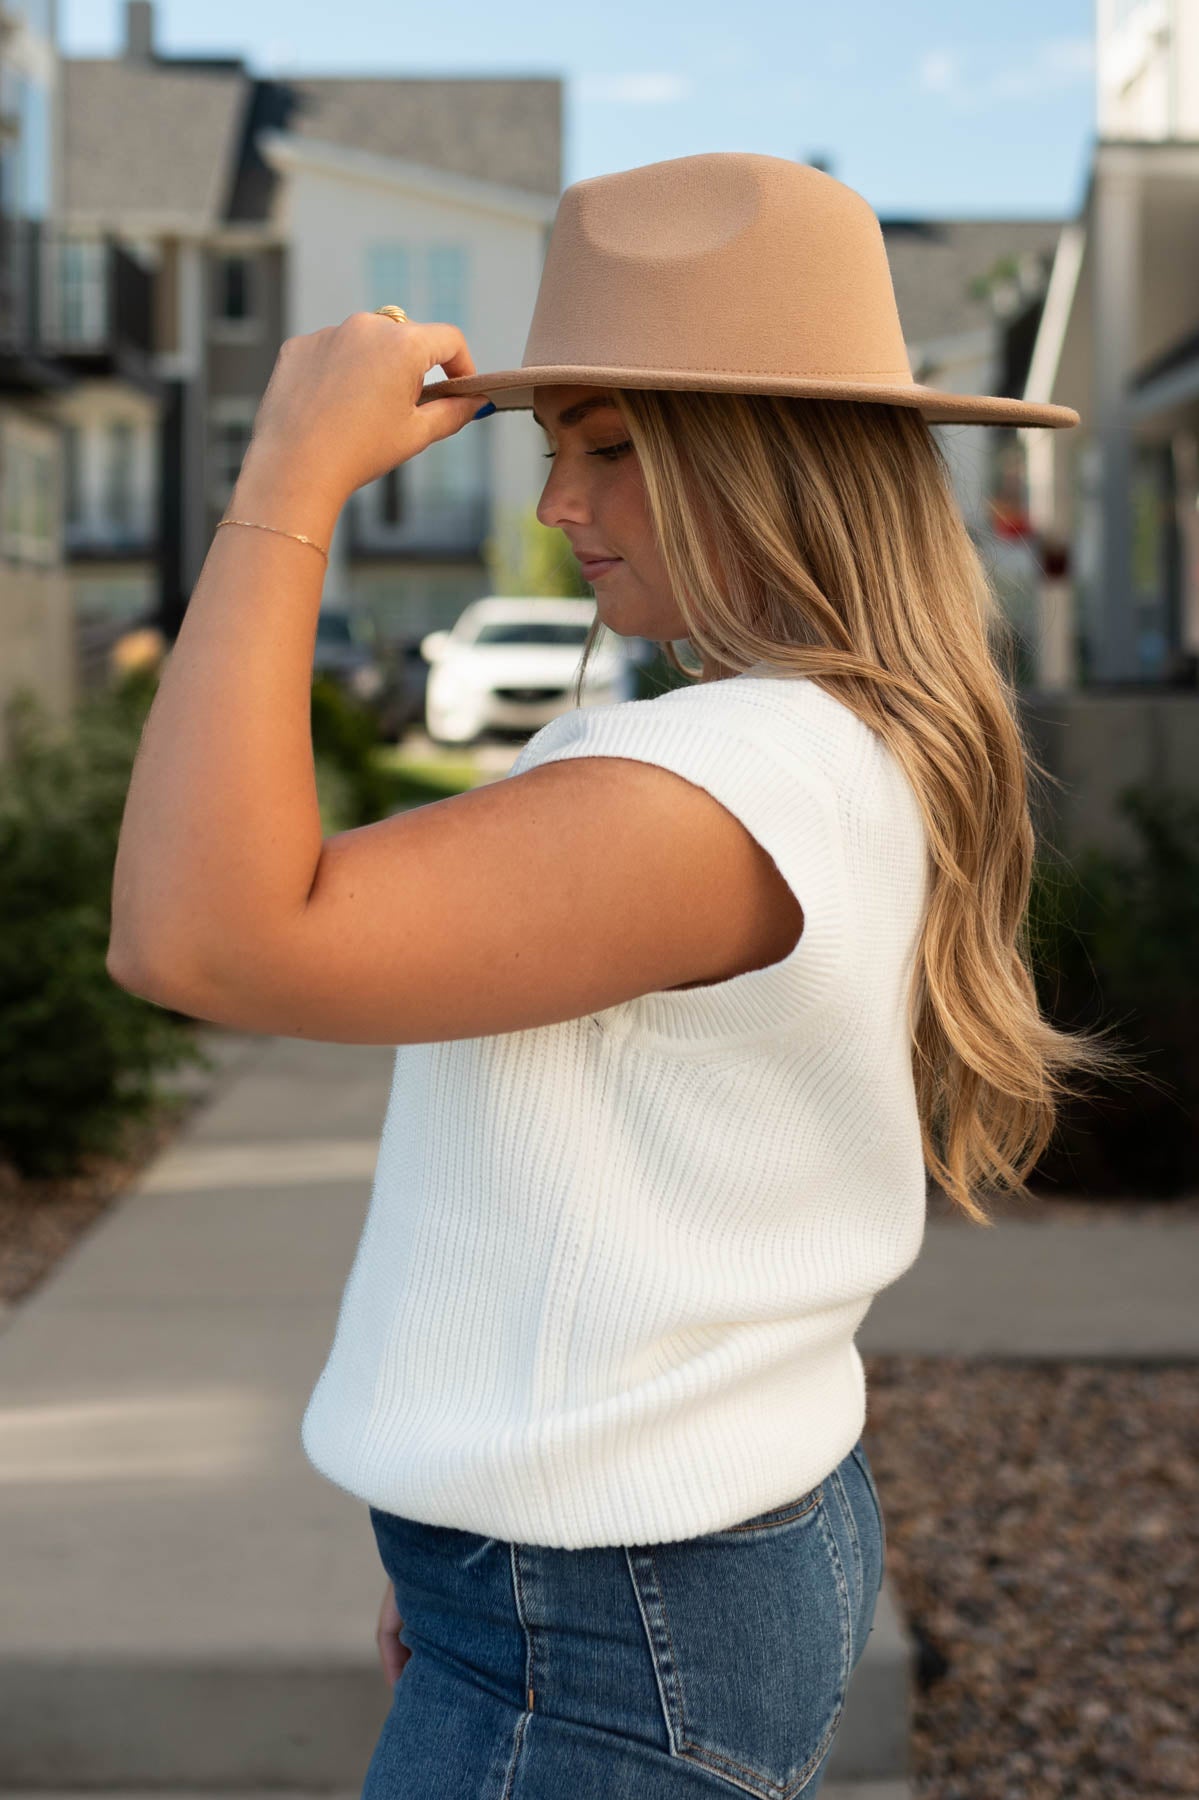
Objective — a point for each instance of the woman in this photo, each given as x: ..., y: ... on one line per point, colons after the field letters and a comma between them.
x: 685, y: 1009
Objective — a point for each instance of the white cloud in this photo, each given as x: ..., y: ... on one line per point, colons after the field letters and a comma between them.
x: 1046, y: 69
x: 282, y: 53
x: 939, y: 71
x: 634, y: 90
x: 1059, y: 63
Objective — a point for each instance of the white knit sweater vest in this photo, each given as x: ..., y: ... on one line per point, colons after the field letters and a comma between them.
x: 608, y: 1283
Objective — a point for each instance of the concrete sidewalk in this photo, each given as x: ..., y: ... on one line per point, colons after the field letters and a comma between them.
x: 188, y: 1604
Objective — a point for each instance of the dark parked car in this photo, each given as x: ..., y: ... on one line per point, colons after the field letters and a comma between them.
x: 346, y: 652
x: 413, y: 678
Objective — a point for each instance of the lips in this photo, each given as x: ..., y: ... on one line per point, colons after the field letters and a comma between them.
x: 596, y: 565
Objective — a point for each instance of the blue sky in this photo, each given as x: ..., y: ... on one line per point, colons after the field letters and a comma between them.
x: 935, y: 107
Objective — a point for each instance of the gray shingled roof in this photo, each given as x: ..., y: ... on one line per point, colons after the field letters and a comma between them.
x: 503, y: 130
x: 934, y: 261
x: 150, y: 138
x: 146, y: 138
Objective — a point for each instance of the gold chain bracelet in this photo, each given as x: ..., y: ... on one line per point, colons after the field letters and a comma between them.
x: 298, y: 535
x: 391, y: 312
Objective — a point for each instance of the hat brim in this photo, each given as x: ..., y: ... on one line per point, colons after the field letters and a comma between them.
x: 512, y: 391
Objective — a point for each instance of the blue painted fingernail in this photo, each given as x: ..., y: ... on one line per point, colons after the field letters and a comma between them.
x: 484, y: 410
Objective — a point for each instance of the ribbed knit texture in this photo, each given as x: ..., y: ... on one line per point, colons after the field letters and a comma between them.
x: 608, y: 1284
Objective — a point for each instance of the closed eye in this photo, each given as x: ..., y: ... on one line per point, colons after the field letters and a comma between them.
x: 608, y: 450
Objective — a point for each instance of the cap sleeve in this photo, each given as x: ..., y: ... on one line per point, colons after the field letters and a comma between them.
x: 753, y: 763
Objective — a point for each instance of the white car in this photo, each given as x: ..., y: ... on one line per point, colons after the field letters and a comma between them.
x: 510, y: 665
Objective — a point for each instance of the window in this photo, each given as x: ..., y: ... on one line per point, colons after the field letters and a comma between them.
x: 446, y: 285
x: 118, y: 477
x: 26, y: 152
x: 35, y: 148
x: 230, y: 426
x: 389, y: 279
x: 233, y: 298
x: 440, y: 496
x: 430, y: 281
x: 236, y: 308
x: 82, y: 299
x: 531, y: 631
x: 27, y: 480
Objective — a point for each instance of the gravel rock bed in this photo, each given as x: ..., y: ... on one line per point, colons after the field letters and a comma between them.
x: 1042, y: 1540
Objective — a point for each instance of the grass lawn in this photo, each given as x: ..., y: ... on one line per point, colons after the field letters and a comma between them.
x: 412, y: 780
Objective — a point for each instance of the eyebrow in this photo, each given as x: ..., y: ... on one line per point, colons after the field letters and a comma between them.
x: 579, y: 410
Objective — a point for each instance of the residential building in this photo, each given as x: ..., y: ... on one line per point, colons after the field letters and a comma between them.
x: 1119, y: 341
x: 368, y: 224
x: 36, y: 648
x: 969, y: 293
x: 269, y: 208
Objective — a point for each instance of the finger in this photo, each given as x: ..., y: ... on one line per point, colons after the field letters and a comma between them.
x: 442, y: 418
x: 445, y: 345
x: 395, y: 1659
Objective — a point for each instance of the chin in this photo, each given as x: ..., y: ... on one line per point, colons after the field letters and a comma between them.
x: 617, y: 613
x: 614, y: 620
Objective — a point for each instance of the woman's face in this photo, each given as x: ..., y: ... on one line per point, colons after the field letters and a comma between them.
x: 596, y: 495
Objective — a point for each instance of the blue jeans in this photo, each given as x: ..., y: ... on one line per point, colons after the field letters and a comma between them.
x: 702, y: 1666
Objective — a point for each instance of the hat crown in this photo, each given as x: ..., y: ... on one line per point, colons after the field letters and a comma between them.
x: 727, y: 272
x: 729, y: 262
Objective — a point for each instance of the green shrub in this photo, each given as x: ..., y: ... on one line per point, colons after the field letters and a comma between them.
x: 359, y: 778
x: 334, y: 796
x: 345, y: 744
x: 1116, y: 947
x: 79, y: 1053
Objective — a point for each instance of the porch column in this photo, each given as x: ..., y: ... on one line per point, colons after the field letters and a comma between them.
x: 1117, y: 280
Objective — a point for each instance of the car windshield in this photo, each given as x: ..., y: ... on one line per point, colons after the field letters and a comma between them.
x: 531, y: 631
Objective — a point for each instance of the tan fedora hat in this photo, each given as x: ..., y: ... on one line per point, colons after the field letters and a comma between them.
x: 728, y: 271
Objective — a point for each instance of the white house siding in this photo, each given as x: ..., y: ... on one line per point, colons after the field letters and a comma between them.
x: 349, y: 234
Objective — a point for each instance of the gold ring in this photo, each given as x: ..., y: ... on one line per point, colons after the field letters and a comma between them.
x: 394, y: 312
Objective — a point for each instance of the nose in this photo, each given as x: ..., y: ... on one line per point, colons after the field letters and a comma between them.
x: 563, y: 499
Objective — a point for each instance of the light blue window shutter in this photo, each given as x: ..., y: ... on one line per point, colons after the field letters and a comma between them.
x: 389, y: 279
x: 453, y: 468
x: 447, y: 284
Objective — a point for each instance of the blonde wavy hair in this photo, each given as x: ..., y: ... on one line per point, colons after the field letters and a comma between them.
x: 824, y: 538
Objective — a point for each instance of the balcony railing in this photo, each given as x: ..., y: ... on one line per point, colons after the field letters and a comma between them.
x: 63, y: 295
